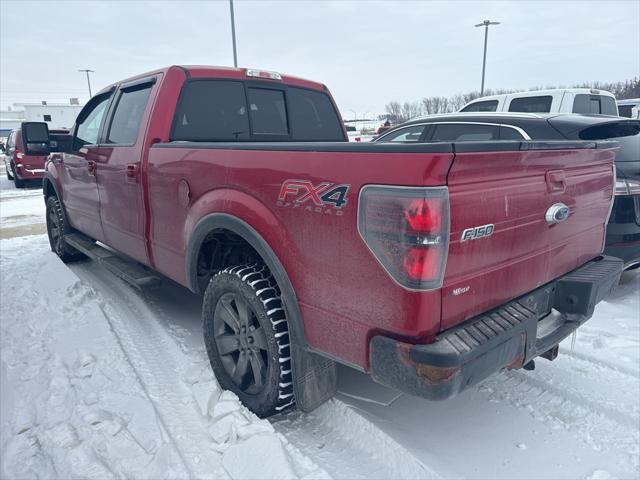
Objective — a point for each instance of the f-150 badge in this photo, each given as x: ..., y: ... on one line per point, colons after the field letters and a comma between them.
x: 325, y: 197
x: 475, y: 233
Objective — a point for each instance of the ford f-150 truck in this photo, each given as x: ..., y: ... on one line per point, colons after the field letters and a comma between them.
x: 430, y: 266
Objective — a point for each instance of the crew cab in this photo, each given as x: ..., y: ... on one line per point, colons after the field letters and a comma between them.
x: 623, y: 230
x: 565, y: 100
x: 430, y: 266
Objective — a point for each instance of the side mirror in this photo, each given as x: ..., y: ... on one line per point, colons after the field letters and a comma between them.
x: 35, y: 138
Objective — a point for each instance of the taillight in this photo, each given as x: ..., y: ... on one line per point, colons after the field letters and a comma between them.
x: 407, y: 229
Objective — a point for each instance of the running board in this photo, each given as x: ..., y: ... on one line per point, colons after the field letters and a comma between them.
x: 128, y: 270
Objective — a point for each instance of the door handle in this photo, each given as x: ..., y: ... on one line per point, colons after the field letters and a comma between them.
x: 132, y: 170
x: 92, y: 166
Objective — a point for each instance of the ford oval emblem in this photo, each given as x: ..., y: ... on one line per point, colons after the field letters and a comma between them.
x: 558, y: 212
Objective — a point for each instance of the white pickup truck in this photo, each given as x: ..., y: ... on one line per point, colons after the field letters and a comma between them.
x: 568, y: 100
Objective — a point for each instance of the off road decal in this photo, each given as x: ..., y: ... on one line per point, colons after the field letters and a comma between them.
x: 326, y: 197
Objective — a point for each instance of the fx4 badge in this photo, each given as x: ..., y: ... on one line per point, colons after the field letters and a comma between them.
x: 475, y: 233
x: 325, y: 197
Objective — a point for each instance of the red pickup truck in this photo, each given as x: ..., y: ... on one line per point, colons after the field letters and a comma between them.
x: 430, y: 266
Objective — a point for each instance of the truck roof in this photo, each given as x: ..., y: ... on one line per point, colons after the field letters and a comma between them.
x: 550, y: 91
x: 579, y: 119
x: 211, y: 71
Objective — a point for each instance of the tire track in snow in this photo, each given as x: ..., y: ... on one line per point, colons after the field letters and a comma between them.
x: 324, y: 435
x: 600, y: 363
x: 157, y: 361
x: 564, y: 407
x: 143, y: 385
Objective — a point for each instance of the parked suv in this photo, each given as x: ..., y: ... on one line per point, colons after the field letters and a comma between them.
x: 21, y: 167
x: 623, y: 230
x: 568, y: 100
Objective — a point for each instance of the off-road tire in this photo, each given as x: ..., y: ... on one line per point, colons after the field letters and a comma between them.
x: 254, y: 285
x: 57, y: 228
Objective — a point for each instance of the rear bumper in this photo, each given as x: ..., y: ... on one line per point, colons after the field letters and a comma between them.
x: 506, y: 337
x: 29, y: 172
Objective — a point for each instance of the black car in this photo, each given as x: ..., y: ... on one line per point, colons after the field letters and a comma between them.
x: 623, y: 230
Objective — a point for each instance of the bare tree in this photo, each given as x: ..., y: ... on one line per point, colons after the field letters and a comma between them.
x: 394, y: 112
x: 410, y: 110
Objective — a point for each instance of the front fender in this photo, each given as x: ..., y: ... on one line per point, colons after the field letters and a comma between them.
x: 51, y: 181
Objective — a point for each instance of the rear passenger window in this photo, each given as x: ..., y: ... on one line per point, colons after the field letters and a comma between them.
x: 466, y: 132
x: 227, y: 111
x: 313, y: 117
x: 211, y: 111
x: 268, y: 112
x: 404, y: 135
x: 128, y: 115
x: 596, y: 104
x: 625, y: 111
x: 541, y: 104
x: 485, y: 106
x: 508, y: 133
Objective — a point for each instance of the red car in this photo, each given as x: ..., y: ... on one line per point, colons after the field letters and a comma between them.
x: 21, y: 167
x: 430, y: 266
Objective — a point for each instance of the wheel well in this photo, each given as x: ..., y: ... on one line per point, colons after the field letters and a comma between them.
x: 222, y: 248
x: 48, y: 189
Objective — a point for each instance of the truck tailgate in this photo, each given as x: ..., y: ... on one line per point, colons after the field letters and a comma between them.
x: 513, y: 191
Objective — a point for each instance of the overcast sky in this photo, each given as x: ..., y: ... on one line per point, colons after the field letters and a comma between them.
x: 368, y: 53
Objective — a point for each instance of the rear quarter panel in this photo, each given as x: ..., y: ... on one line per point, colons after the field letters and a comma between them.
x: 345, y: 296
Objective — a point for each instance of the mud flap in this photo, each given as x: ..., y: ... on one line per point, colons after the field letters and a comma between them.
x: 315, y: 379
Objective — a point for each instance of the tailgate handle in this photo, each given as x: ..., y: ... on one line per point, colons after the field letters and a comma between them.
x: 556, y: 181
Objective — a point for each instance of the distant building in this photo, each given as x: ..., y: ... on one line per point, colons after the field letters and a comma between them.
x: 57, y: 115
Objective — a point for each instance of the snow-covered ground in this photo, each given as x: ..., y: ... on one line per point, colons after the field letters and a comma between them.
x: 99, y: 380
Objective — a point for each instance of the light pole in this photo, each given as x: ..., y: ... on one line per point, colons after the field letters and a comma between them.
x: 364, y: 120
x: 233, y: 35
x: 485, y: 24
x: 355, y: 118
x: 87, y: 71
